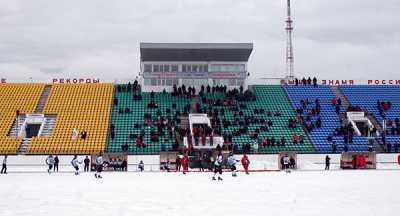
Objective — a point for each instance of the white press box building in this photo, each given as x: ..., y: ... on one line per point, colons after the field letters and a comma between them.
x: 193, y: 64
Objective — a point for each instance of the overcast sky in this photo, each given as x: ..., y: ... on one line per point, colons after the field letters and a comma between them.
x: 351, y: 39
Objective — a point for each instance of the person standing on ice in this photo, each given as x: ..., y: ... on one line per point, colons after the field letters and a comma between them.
x: 178, y: 163
x: 245, y: 163
x: 99, y: 165
x: 56, y: 162
x: 286, y: 161
x: 232, y: 164
x: 4, y: 166
x: 185, y: 163
x: 75, y: 163
x: 141, y: 166
x: 86, y: 162
x: 398, y: 159
x: 327, y: 162
x: 218, y: 167
x: 50, y: 162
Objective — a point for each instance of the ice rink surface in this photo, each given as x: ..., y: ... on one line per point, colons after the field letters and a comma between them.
x: 354, y: 192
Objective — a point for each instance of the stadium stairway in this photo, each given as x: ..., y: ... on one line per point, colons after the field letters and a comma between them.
x: 15, y: 127
x: 24, y: 146
x: 78, y: 107
x: 339, y: 94
x: 43, y: 98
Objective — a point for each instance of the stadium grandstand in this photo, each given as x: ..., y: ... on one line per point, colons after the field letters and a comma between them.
x: 196, y: 97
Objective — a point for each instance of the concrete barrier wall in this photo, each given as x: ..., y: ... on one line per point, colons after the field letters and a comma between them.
x: 257, y: 162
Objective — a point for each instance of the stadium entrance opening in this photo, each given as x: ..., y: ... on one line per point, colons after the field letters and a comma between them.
x: 32, y: 130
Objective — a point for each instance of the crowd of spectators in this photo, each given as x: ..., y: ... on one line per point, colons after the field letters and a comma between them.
x: 307, y: 115
x: 117, y: 164
x: 305, y: 82
x: 167, y: 126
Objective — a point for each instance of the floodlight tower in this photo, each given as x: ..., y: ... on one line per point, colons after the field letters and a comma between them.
x: 289, y: 46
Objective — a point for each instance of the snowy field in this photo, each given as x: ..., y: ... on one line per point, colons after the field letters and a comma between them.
x: 353, y: 192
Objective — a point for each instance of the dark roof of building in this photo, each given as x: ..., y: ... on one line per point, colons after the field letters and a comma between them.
x: 195, y: 51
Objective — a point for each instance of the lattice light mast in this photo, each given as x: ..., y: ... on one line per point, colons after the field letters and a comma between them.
x: 289, y: 46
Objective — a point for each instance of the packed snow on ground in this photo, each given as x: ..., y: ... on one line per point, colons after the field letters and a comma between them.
x: 354, y: 192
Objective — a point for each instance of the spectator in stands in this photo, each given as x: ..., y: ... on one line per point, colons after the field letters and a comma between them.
x: 75, y: 133
x: 86, y: 161
x: 329, y: 138
x: 138, y: 141
x: 318, y: 122
x: 309, y: 81
x: 283, y: 141
x: 337, y: 109
x: 273, y: 141
x: 83, y: 135
x: 295, y: 138
x: 334, y: 146
x: 124, y: 147
x: 129, y: 87
x: 334, y: 101
x: 304, y: 81
x: 315, y: 82
x: 56, y: 162
x: 301, y: 139
x: 152, y: 95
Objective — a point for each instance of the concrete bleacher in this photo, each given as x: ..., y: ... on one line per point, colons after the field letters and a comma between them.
x: 366, y: 96
x: 272, y: 99
x: 89, y: 108
x: 76, y: 106
x: 330, y: 120
x: 22, y: 97
x: 125, y: 122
